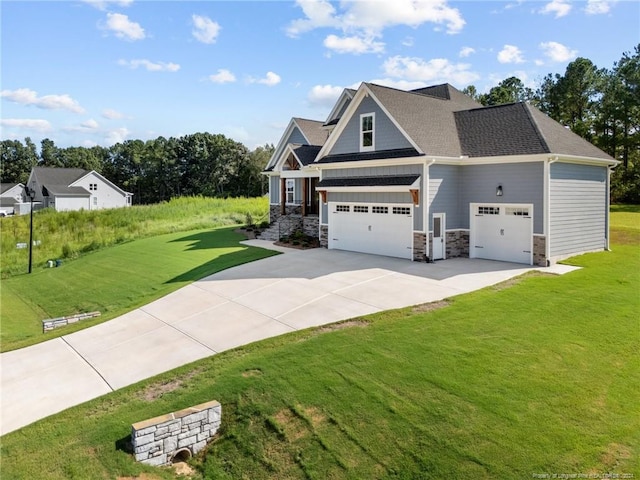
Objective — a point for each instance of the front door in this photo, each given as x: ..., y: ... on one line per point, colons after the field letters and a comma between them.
x: 438, y: 236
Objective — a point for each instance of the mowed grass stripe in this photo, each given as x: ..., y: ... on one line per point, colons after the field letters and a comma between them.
x: 116, y: 280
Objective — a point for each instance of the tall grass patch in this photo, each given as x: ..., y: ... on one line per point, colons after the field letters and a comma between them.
x: 68, y: 235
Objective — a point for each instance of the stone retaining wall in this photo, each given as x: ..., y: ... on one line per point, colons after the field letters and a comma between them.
x: 52, y: 323
x: 158, y: 440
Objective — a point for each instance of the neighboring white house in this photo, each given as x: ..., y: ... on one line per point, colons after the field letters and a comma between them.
x: 67, y: 189
x: 10, y: 194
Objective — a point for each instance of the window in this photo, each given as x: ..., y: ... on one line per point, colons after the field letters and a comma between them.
x: 95, y: 201
x: 520, y: 211
x: 378, y: 209
x: 367, y: 121
x: 401, y: 210
x: 488, y: 210
x: 360, y: 209
x: 93, y: 187
x: 342, y: 208
x: 291, y: 184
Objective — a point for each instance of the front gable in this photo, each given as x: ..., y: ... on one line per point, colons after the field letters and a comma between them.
x: 366, y: 111
x: 292, y: 135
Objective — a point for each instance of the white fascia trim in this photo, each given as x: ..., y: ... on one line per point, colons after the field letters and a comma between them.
x: 344, y: 97
x: 391, y: 162
x: 299, y: 174
x: 540, y: 157
x: 277, y: 153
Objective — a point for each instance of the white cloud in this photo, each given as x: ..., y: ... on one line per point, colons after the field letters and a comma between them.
x: 356, y: 45
x: 205, y: 30
x: 104, y: 4
x: 466, y: 51
x: 124, y: 28
x: 270, y: 80
x: 558, y: 7
x: 324, y: 95
x: 26, y: 96
x: 223, y: 76
x: 117, y: 135
x: 414, y: 69
x: 112, y: 114
x: 362, y: 21
x: 90, y: 124
x: 558, y: 52
x: 399, y: 84
x: 598, y: 7
x: 149, y: 65
x: 27, y: 124
x: 510, y: 54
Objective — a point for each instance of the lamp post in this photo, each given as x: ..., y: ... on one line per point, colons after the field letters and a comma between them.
x: 30, y: 193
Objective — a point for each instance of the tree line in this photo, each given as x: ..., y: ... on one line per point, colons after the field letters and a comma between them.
x: 601, y: 105
x: 206, y: 164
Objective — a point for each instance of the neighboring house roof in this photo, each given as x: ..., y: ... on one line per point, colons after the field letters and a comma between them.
x: 379, y: 181
x: 5, y: 187
x: 59, y: 181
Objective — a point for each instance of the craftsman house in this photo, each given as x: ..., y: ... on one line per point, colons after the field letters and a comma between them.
x: 430, y: 174
x: 75, y: 189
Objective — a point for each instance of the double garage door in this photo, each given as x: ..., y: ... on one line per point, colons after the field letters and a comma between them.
x: 502, y: 232
x: 380, y: 229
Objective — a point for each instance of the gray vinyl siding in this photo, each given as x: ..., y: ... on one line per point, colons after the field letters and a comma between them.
x: 521, y: 183
x: 444, y: 192
x: 274, y: 190
x: 377, y: 197
x: 577, y: 208
x: 296, y: 137
x: 386, y: 134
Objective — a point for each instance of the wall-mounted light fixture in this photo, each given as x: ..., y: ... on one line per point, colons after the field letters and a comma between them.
x: 499, y: 191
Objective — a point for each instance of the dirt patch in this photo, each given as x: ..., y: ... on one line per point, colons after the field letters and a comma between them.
x: 254, y: 372
x: 182, y: 468
x: 157, y: 390
x: 293, y: 428
x: 430, y: 307
x: 342, y: 325
x: 315, y: 416
x: 613, y: 454
x: 143, y: 476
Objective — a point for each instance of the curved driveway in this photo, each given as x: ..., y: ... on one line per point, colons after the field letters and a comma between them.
x: 258, y: 300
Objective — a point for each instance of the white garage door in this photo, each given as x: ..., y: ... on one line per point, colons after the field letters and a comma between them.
x: 502, y: 232
x: 381, y: 229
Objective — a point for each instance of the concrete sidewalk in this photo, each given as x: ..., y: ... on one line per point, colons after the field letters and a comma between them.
x: 244, y: 304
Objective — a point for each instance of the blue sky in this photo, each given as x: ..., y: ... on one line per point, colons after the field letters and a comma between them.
x: 86, y: 73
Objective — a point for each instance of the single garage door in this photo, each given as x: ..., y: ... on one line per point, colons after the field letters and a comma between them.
x: 380, y: 229
x: 502, y: 232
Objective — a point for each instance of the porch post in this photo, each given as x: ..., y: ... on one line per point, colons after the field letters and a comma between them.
x: 305, y: 182
x: 283, y: 196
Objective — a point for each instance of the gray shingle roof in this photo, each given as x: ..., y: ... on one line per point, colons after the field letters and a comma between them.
x: 7, y: 186
x: 379, y: 181
x: 56, y: 181
x: 306, y: 153
x: 312, y: 130
x: 378, y: 155
x: 518, y: 129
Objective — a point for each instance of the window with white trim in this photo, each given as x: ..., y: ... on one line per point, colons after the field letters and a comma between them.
x: 291, y: 188
x: 401, y: 210
x: 488, y: 210
x: 519, y: 211
x: 367, y: 134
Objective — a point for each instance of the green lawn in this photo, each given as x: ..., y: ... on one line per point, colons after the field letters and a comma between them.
x: 537, y: 377
x: 115, y: 280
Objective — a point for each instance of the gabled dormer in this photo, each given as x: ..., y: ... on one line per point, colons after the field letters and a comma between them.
x: 300, y: 132
x: 339, y: 108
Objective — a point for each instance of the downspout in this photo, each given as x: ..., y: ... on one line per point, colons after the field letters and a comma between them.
x: 607, y: 245
x: 427, y: 206
x: 547, y: 207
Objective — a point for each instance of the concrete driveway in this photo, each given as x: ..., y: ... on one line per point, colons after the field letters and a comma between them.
x: 262, y: 299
